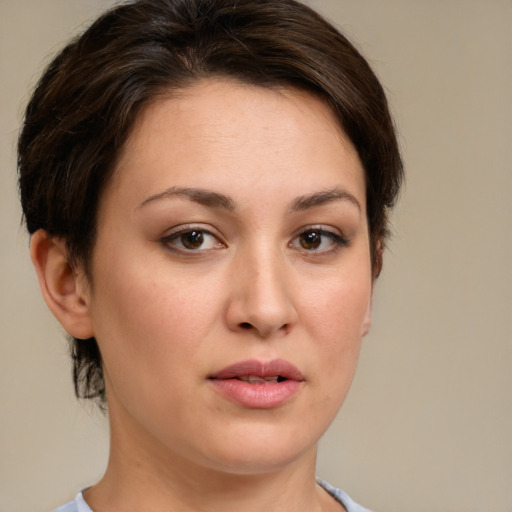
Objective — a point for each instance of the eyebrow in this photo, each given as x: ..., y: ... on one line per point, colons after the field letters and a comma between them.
x: 198, y: 195
x: 305, y: 202
x: 216, y: 200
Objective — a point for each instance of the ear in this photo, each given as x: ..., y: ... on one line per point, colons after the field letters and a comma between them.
x: 65, y: 291
x: 376, y: 269
x: 377, y: 258
x: 367, y: 321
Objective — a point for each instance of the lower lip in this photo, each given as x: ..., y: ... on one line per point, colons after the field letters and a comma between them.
x: 268, y: 395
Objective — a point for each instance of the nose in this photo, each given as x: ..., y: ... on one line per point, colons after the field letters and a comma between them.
x: 261, y: 299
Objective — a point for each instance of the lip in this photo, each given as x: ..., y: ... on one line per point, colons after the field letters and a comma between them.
x: 267, y: 394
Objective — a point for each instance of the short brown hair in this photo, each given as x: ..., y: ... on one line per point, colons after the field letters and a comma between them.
x: 87, y: 100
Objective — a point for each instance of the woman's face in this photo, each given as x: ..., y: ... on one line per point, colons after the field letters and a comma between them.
x: 232, y: 278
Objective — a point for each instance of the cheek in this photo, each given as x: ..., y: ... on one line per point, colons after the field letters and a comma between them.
x: 337, y: 310
x: 144, y: 317
x: 149, y: 333
x: 336, y: 322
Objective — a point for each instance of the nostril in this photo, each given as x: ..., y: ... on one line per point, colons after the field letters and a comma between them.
x: 245, y: 325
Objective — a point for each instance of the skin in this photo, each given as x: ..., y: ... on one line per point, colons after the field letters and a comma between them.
x: 283, y: 271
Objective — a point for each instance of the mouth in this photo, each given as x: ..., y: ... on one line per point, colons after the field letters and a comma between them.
x: 254, y: 371
x: 255, y: 379
x: 258, y: 384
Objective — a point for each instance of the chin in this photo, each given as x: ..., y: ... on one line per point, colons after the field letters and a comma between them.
x: 250, y: 463
x: 260, y: 450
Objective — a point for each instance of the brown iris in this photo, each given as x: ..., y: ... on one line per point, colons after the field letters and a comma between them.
x: 310, y: 240
x: 192, y: 239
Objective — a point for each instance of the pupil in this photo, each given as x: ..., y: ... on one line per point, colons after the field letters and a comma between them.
x: 310, y: 240
x: 192, y: 240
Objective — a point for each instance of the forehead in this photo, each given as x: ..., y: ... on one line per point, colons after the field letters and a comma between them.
x: 222, y: 127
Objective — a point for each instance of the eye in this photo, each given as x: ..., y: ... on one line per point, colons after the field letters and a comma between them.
x: 318, y: 240
x: 192, y: 239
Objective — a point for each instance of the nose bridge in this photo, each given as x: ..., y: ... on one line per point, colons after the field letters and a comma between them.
x: 266, y: 277
x: 262, y: 299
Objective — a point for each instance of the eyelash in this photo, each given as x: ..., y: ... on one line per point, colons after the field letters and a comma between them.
x: 337, y: 241
x: 169, y: 241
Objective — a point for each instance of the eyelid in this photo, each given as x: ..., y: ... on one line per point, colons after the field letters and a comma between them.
x: 322, y: 228
x: 192, y: 226
x: 175, y: 232
x: 335, y: 235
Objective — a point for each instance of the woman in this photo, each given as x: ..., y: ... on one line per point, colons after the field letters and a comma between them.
x: 206, y: 184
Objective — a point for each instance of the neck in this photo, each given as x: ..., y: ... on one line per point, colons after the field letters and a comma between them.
x: 134, y: 484
x: 145, y: 474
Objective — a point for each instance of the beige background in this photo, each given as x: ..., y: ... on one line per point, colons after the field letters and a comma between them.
x: 428, y: 423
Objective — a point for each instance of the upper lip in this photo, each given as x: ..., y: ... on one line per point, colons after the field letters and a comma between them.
x: 274, y: 367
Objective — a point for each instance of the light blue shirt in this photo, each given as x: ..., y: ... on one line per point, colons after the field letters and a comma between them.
x: 79, y: 504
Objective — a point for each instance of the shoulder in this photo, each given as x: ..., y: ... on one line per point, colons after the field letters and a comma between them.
x: 77, y: 505
x: 342, y: 497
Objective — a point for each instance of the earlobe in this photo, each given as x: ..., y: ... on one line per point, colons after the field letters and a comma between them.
x: 63, y: 289
x: 376, y: 270
x: 367, y: 321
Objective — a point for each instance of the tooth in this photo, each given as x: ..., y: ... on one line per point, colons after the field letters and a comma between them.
x: 252, y: 379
